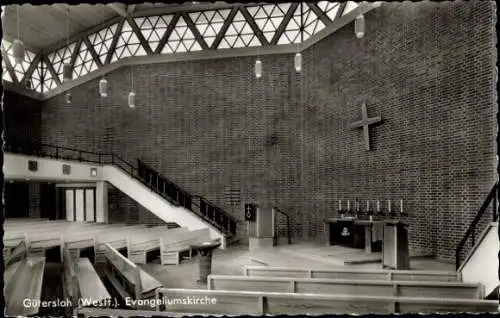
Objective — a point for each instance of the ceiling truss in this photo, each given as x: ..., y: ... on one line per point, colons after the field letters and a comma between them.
x: 237, y: 27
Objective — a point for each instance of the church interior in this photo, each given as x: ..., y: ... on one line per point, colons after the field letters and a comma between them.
x: 206, y: 158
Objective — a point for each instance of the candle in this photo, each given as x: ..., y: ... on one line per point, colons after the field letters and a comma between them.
x: 348, y: 204
x: 367, y: 205
x: 378, y: 205
x: 389, y: 205
x: 401, y: 206
x: 340, y: 204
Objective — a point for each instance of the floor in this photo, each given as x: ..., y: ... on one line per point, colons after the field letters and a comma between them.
x: 305, y: 255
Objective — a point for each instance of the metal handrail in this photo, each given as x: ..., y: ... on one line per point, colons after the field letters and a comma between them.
x: 127, y: 167
x: 287, y: 223
x: 471, y: 231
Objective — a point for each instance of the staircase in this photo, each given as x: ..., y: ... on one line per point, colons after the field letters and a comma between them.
x: 477, y: 257
x: 140, y: 182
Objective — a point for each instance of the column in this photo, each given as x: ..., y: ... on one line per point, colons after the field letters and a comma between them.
x: 101, y: 202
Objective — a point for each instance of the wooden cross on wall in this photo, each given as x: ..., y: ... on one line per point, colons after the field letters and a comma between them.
x: 365, y: 122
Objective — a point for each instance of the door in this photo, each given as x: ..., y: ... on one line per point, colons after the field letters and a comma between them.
x: 48, y: 207
x: 80, y: 204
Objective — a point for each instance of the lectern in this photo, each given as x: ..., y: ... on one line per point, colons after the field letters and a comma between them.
x: 395, y: 253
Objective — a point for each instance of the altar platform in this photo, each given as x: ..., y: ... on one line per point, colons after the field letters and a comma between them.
x: 301, y: 254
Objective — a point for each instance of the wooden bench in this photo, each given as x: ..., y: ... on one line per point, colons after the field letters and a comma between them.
x: 269, y: 303
x: 93, y: 293
x: 39, y: 243
x: 125, y: 313
x: 128, y: 279
x: 71, y: 289
x: 346, y: 286
x: 346, y: 273
x: 172, y: 248
x: 116, y: 239
x: 138, y: 246
x: 23, y: 278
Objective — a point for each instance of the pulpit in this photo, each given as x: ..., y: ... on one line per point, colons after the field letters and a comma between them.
x: 204, y: 251
x: 395, y: 254
x: 260, y: 226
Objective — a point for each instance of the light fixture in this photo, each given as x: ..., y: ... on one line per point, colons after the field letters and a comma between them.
x: 68, y: 98
x: 258, y: 68
x: 103, y: 87
x: 298, y: 55
x: 131, y: 95
x: 359, y: 25
x: 67, y: 68
x: 298, y: 62
x: 93, y: 172
x: 67, y: 72
x: 131, y: 99
x: 18, y: 49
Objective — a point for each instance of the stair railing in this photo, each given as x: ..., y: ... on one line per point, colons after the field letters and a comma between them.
x: 196, y: 203
x: 143, y: 173
x: 472, y: 230
x: 288, y: 232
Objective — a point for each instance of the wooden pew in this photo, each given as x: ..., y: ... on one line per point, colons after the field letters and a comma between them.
x: 349, y: 273
x: 23, y: 278
x: 116, y: 239
x: 85, y: 238
x: 13, y: 237
x: 93, y: 293
x: 71, y: 290
x: 14, y: 221
x: 40, y: 243
x: 139, y: 245
x: 172, y: 248
x: 346, y: 286
x: 19, y: 253
x: 269, y: 303
x: 128, y: 279
x: 125, y: 313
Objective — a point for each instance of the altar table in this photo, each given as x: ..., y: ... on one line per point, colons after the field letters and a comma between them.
x: 354, y: 233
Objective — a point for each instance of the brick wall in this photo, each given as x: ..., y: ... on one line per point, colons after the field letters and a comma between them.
x: 284, y: 139
x: 427, y: 69
x: 22, y: 117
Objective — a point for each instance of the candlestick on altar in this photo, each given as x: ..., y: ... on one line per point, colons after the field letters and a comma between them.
x: 389, y: 205
x: 348, y: 204
x: 367, y: 205
x: 378, y: 205
x: 340, y: 205
x: 401, y: 206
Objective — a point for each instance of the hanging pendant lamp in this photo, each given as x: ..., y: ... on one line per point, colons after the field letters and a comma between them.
x: 67, y: 68
x: 103, y: 87
x: 298, y: 55
x: 131, y: 95
x: 18, y: 49
x: 359, y: 25
x: 68, y: 98
x: 258, y: 69
x: 298, y: 62
x: 131, y: 99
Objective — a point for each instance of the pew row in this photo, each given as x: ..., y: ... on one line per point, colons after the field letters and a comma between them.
x: 362, y: 274
x: 346, y: 286
x: 125, y: 313
x: 269, y: 303
x: 23, y: 278
x: 138, y: 247
x: 173, y: 249
x: 82, y: 284
x: 130, y: 281
x: 116, y: 239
